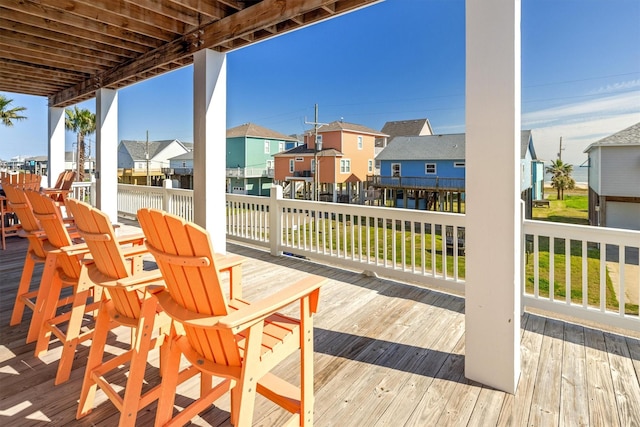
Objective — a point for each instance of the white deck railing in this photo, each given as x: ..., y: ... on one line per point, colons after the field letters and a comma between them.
x: 418, y: 246
x: 592, y: 282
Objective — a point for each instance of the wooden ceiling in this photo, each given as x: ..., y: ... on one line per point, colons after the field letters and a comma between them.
x: 66, y: 49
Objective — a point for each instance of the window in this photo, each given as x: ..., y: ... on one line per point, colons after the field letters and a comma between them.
x: 319, y: 142
x: 458, y: 164
x: 370, y: 165
x: 267, y: 147
x: 299, y: 159
x: 359, y: 143
x: 395, y: 169
x: 280, y: 146
x: 313, y: 165
x: 292, y: 166
x: 269, y: 164
x: 430, y: 168
x: 345, y: 166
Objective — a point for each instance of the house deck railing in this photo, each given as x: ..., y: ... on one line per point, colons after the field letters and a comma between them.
x: 417, y: 182
x: 412, y: 246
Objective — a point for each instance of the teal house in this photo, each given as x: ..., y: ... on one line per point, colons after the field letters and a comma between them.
x: 250, y: 150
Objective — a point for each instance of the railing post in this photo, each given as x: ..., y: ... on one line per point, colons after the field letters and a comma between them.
x: 275, y: 220
x: 166, y: 196
x: 92, y: 191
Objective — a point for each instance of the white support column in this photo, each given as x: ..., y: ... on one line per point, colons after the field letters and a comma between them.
x: 209, y: 138
x: 107, y: 152
x: 56, y: 145
x: 493, y: 228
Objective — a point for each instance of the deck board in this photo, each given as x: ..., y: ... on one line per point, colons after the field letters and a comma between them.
x: 386, y: 354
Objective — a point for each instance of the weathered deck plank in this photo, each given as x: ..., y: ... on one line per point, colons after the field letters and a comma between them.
x: 386, y: 354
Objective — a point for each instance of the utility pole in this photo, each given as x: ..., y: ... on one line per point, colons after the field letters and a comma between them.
x: 316, y: 173
x: 560, y: 150
x: 147, y: 157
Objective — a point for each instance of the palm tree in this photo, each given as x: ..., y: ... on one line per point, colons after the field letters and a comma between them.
x: 561, y: 177
x: 7, y: 116
x: 83, y: 123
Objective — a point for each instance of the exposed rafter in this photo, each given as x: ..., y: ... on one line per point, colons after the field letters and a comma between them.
x: 67, y: 49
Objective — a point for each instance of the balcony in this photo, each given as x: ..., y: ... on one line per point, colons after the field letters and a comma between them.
x: 250, y: 172
x: 390, y: 349
x: 417, y: 182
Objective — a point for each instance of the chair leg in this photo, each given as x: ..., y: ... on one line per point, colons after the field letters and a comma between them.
x: 23, y: 288
x: 245, y: 397
x: 96, y: 353
x: 46, y: 305
x: 306, y: 364
x: 170, y: 370
x: 72, y: 336
x: 133, y: 390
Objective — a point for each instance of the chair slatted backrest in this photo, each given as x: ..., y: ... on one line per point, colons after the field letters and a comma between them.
x: 25, y: 181
x: 95, y: 228
x: 68, y: 180
x: 51, y: 220
x: 21, y: 206
x: 60, y: 179
x: 185, y: 256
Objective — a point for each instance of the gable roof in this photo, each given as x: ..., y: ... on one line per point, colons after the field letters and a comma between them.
x: 253, y: 130
x: 439, y: 147
x: 526, y: 143
x: 629, y: 136
x: 339, y: 125
x: 432, y: 147
x: 138, y: 149
x: 417, y: 127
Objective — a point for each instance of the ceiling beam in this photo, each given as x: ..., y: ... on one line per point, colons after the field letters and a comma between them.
x: 244, y: 23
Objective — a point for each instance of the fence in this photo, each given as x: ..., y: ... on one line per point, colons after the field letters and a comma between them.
x: 428, y: 248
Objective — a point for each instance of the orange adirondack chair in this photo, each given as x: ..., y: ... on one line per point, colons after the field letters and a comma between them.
x: 60, y: 191
x: 36, y: 253
x: 62, y: 270
x: 125, y: 302
x: 230, y: 339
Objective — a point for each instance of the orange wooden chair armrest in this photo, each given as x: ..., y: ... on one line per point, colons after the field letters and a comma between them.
x: 246, y: 316
x: 148, y: 277
x: 131, y: 238
x: 256, y: 312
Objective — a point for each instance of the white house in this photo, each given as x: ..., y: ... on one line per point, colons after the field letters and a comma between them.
x: 614, y: 180
x: 139, y: 159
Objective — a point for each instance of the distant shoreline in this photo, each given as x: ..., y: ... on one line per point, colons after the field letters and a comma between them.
x: 579, y: 185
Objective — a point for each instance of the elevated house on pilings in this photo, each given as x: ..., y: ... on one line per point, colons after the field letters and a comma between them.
x: 428, y: 173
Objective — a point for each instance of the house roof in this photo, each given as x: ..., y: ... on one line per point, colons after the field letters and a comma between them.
x: 339, y: 125
x: 526, y: 142
x: 438, y: 147
x: 433, y: 147
x: 138, y: 149
x: 184, y: 156
x: 256, y: 131
x: 417, y: 127
x: 628, y: 136
x: 303, y: 150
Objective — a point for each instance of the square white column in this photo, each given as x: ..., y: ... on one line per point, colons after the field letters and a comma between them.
x: 493, y: 222
x: 56, y: 147
x: 107, y: 152
x: 209, y: 144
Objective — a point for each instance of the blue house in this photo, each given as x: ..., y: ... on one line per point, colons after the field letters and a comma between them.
x: 432, y: 167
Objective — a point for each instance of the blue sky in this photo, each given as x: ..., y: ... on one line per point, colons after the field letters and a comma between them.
x: 400, y: 59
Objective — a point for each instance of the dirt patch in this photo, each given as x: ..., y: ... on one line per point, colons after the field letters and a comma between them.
x: 631, y: 281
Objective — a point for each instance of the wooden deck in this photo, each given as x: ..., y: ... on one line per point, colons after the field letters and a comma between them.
x: 386, y: 354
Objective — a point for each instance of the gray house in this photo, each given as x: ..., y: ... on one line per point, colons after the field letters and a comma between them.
x: 614, y: 180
